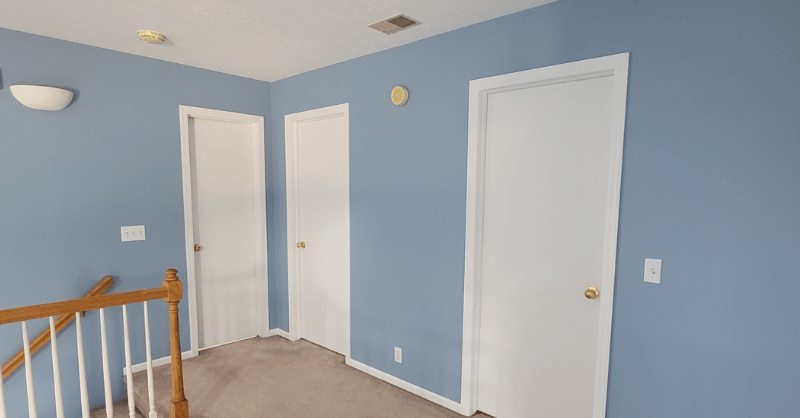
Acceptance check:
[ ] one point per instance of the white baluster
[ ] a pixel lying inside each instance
(2, 397)
(28, 371)
(128, 365)
(150, 387)
(81, 368)
(106, 371)
(56, 370)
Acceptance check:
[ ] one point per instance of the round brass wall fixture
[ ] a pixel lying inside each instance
(399, 95)
(151, 37)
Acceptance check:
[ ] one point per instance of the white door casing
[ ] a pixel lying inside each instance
(243, 124)
(318, 214)
(614, 70)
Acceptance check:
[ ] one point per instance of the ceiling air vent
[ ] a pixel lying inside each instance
(394, 24)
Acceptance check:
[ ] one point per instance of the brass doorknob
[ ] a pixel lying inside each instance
(591, 293)
(196, 247)
(301, 244)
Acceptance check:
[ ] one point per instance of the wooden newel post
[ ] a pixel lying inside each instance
(180, 406)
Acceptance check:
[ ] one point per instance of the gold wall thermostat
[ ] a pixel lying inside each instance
(399, 95)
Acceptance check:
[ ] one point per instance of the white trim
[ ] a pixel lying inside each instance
(409, 387)
(157, 362)
(279, 332)
(229, 342)
(479, 90)
(292, 122)
(260, 192)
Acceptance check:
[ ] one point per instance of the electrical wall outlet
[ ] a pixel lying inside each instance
(132, 233)
(398, 355)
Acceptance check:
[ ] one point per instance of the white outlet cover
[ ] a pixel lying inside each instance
(652, 270)
(132, 233)
(398, 355)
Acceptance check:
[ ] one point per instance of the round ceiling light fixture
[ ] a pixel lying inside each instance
(151, 37)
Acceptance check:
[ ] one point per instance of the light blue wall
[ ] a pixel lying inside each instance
(70, 179)
(711, 184)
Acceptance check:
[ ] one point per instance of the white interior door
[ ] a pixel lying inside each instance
(230, 263)
(549, 231)
(319, 142)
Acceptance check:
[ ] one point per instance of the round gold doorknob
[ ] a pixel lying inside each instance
(301, 244)
(591, 293)
(196, 248)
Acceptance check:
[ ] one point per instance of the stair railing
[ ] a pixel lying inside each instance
(61, 323)
(171, 291)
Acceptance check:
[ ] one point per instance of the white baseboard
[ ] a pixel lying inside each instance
(402, 384)
(229, 342)
(157, 362)
(279, 332)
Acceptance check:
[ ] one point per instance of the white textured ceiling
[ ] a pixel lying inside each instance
(261, 39)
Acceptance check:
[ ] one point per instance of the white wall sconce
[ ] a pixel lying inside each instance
(41, 97)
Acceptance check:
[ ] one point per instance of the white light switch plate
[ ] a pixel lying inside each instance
(652, 270)
(132, 233)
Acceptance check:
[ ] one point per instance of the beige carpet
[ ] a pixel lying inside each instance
(120, 411)
(274, 377)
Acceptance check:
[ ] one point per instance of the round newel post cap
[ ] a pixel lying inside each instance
(172, 275)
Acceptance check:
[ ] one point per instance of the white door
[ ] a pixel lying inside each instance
(549, 227)
(226, 161)
(318, 147)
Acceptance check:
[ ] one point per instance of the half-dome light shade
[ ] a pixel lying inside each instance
(41, 97)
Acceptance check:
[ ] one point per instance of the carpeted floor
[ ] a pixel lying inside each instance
(120, 410)
(274, 377)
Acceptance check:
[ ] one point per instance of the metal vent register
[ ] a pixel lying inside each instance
(394, 24)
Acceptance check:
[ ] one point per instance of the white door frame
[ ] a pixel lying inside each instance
(292, 124)
(479, 91)
(260, 192)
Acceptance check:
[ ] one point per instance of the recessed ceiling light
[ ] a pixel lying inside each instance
(151, 37)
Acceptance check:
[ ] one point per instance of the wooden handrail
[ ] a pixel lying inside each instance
(171, 291)
(61, 323)
(10, 316)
